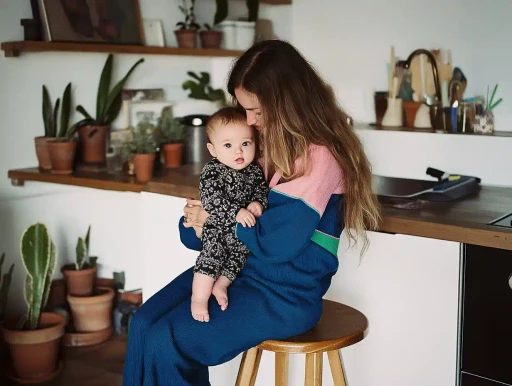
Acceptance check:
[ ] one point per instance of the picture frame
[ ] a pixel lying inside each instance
(116, 22)
(149, 110)
(153, 32)
(135, 95)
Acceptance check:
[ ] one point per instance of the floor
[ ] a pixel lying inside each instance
(100, 365)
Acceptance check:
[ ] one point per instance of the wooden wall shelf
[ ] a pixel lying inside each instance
(14, 49)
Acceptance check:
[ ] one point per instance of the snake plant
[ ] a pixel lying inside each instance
(108, 101)
(5, 283)
(39, 258)
(222, 10)
(83, 260)
(50, 115)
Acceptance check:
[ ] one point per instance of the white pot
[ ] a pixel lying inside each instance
(245, 34)
(228, 34)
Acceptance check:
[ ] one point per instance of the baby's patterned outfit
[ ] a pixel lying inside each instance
(223, 192)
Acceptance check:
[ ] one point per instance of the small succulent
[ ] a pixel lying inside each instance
(170, 129)
(143, 140)
(200, 88)
(83, 260)
(190, 16)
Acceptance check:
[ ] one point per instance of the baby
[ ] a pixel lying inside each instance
(232, 189)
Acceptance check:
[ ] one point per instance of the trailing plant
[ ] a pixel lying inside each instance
(170, 129)
(200, 88)
(83, 260)
(190, 16)
(108, 101)
(222, 10)
(51, 124)
(143, 140)
(39, 258)
(5, 283)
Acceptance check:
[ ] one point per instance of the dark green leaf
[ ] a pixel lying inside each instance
(47, 113)
(253, 7)
(222, 11)
(104, 87)
(55, 113)
(194, 75)
(205, 78)
(114, 110)
(82, 111)
(64, 111)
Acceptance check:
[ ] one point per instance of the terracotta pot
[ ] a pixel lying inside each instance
(134, 297)
(210, 39)
(187, 38)
(62, 156)
(79, 283)
(173, 153)
(410, 109)
(92, 313)
(35, 353)
(93, 143)
(144, 166)
(57, 295)
(81, 339)
(43, 155)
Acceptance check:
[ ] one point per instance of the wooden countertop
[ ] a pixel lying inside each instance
(464, 221)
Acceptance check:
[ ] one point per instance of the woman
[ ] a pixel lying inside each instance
(320, 183)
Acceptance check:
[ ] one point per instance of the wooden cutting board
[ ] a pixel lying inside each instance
(444, 73)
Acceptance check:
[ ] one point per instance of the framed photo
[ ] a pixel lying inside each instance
(93, 21)
(142, 94)
(153, 32)
(147, 111)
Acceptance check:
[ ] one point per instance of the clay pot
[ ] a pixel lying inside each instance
(79, 283)
(410, 109)
(144, 166)
(173, 154)
(35, 353)
(93, 143)
(134, 297)
(92, 313)
(43, 155)
(210, 39)
(187, 38)
(81, 339)
(62, 156)
(57, 295)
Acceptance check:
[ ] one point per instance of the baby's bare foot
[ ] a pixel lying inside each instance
(199, 308)
(220, 291)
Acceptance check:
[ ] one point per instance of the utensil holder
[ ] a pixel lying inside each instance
(394, 113)
(484, 123)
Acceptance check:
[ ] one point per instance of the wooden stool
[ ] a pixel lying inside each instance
(339, 326)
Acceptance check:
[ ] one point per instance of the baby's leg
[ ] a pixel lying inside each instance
(220, 291)
(201, 292)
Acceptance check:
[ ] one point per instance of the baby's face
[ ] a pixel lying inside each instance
(233, 145)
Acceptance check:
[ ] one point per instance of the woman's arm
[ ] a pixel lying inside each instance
(189, 237)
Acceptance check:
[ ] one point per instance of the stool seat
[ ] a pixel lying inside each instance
(339, 326)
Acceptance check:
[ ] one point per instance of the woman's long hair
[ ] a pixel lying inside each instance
(299, 109)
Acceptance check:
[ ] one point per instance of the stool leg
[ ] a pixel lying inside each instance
(249, 367)
(338, 374)
(281, 369)
(314, 369)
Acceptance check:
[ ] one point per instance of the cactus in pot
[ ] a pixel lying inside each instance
(43, 329)
(81, 275)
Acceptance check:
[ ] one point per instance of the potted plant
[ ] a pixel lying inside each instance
(171, 133)
(50, 130)
(206, 99)
(62, 149)
(238, 34)
(141, 148)
(210, 38)
(35, 338)
(80, 276)
(93, 132)
(186, 35)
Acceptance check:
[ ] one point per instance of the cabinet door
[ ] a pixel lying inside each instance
(487, 313)
(471, 380)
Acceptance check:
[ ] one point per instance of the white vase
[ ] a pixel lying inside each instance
(228, 34)
(245, 34)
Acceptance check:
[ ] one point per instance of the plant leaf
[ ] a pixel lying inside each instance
(104, 87)
(115, 92)
(87, 237)
(114, 110)
(54, 119)
(222, 11)
(82, 111)
(80, 254)
(253, 7)
(47, 113)
(194, 75)
(64, 111)
(48, 283)
(205, 78)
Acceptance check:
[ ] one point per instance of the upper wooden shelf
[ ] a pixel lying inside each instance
(372, 126)
(14, 49)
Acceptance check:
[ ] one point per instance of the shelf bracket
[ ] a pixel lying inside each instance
(17, 182)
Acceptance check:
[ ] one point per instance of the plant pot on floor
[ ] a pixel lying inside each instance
(35, 353)
(93, 143)
(62, 156)
(79, 283)
(210, 38)
(92, 313)
(173, 153)
(186, 38)
(43, 155)
(144, 166)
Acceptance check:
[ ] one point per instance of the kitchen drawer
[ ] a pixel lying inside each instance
(487, 313)
(471, 380)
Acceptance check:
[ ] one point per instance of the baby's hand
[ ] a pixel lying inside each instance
(245, 218)
(255, 208)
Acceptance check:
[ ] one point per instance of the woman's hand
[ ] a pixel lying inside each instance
(195, 215)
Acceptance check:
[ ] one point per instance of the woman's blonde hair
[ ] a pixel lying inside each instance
(299, 109)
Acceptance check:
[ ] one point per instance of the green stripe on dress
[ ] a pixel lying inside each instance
(329, 243)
